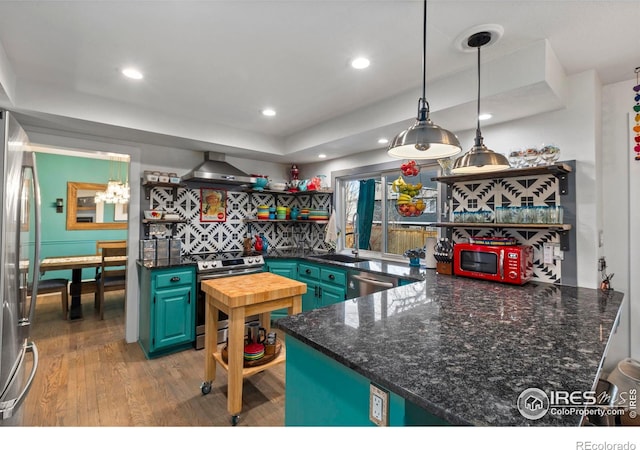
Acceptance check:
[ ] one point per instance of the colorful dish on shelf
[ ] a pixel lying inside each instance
(318, 214)
(253, 351)
(153, 214)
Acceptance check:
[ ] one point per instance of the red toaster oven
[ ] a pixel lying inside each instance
(505, 264)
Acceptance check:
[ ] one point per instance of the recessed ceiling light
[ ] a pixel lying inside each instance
(383, 141)
(322, 155)
(269, 112)
(484, 116)
(360, 63)
(132, 73)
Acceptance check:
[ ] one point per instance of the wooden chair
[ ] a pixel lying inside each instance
(109, 244)
(53, 286)
(111, 277)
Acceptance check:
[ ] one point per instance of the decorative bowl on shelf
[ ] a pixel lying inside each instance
(278, 186)
(150, 176)
(261, 183)
(153, 215)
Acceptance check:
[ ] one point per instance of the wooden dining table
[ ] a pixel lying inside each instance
(75, 264)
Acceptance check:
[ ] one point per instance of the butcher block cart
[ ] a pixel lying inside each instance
(240, 297)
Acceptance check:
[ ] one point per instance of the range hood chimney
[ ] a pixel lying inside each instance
(216, 170)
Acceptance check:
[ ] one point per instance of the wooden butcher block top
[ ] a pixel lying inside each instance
(251, 289)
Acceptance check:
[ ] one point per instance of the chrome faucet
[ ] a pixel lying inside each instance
(356, 234)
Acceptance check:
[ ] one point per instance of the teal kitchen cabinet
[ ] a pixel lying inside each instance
(167, 309)
(325, 285)
(287, 268)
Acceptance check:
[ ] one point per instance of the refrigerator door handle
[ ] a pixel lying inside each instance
(7, 407)
(30, 162)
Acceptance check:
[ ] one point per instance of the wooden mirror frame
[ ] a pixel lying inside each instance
(72, 209)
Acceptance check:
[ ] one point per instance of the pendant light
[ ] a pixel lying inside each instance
(424, 139)
(117, 191)
(479, 159)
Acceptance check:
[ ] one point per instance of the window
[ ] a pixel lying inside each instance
(385, 228)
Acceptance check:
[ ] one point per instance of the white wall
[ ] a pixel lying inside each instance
(621, 215)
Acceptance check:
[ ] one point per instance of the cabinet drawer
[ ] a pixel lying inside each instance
(174, 278)
(309, 271)
(334, 276)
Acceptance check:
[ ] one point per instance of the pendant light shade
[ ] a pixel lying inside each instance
(424, 139)
(479, 159)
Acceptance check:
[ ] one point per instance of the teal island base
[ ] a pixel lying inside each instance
(322, 392)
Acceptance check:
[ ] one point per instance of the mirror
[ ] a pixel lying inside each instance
(83, 213)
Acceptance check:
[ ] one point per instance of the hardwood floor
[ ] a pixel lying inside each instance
(89, 376)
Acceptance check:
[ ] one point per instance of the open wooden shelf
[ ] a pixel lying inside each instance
(549, 226)
(285, 221)
(559, 169)
(296, 193)
(248, 371)
(165, 221)
(148, 185)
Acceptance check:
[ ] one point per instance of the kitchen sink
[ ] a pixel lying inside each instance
(340, 258)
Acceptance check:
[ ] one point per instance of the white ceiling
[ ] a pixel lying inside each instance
(211, 66)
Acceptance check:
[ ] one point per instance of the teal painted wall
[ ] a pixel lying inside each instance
(53, 172)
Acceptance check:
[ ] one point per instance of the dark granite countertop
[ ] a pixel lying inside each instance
(397, 269)
(163, 263)
(393, 268)
(465, 349)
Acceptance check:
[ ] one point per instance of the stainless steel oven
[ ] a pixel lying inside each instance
(215, 265)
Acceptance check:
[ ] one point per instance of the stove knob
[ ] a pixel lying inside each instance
(205, 265)
(250, 261)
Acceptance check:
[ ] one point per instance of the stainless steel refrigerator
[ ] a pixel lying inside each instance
(19, 267)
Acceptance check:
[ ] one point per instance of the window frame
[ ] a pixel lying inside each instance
(386, 173)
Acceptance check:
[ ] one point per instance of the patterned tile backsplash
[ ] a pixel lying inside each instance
(487, 195)
(200, 236)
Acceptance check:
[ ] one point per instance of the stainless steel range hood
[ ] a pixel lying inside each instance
(216, 170)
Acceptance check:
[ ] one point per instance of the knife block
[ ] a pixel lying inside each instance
(444, 268)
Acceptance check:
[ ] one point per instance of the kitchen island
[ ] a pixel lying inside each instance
(449, 350)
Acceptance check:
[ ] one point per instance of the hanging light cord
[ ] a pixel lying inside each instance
(423, 105)
(478, 141)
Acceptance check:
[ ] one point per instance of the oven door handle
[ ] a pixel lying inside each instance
(501, 264)
(211, 276)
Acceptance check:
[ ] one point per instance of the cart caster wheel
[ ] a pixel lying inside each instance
(234, 420)
(205, 387)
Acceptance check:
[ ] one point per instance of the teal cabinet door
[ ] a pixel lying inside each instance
(167, 309)
(287, 269)
(330, 294)
(174, 317)
(325, 285)
(310, 298)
